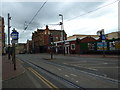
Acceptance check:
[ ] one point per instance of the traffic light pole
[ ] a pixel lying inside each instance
(51, 44)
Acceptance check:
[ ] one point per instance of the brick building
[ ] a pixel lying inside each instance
(41, 39)
(72, 46)
(29, 46)
(2, 35)
(20, 48)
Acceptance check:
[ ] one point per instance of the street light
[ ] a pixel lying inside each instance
(62, 29)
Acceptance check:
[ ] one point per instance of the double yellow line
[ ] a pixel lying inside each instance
(48, 83)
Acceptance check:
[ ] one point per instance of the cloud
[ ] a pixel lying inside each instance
(88, 24)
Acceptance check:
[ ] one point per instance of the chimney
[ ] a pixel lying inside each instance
(47, 27)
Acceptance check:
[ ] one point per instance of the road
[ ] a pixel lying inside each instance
(73, 71)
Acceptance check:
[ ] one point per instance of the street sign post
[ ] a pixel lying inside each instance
(14, 40)
(103, 38)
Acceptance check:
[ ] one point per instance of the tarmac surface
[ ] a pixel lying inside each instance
(20, 76)
(14, 78)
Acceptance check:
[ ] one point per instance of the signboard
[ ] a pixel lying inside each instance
(14, 35)
(91, 46)
(100, 46)
(103, 37)
(14, 41)
(115, 45)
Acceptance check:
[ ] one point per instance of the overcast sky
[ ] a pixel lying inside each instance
(105, 18)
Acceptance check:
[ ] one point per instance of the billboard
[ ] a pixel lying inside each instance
(101, 46)
(115, 45)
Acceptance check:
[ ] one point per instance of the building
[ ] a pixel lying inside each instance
(29, 46)
(41, 39)
(113, 35)
(81, 36)
(20, 48)
(72, 46)
(2, 35)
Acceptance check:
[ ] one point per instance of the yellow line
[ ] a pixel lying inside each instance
(40, 78)
(43, 79)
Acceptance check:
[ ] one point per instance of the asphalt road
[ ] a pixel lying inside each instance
(83, 72)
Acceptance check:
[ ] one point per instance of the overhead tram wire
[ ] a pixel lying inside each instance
(36, 14)
(91, 11)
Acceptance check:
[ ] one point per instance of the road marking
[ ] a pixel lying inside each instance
(89, 68)
(59, 69)
(66, 75)
(48, 83)
(73, 75)
(77, 81)
(92, 69)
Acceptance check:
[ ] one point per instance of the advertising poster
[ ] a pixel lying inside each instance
(100, 46)
(115, 45)
(91, 46)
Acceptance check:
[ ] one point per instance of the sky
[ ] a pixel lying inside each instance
(76, 19)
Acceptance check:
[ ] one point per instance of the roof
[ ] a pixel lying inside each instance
(74, 39)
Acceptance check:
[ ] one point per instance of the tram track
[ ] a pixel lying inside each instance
(43, 70)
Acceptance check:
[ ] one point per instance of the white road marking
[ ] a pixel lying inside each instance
(59, 69)
(73, 75)
(92, 69)
(66, 75)
(77, 81)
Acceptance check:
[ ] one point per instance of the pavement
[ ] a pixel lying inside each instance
(14, 78)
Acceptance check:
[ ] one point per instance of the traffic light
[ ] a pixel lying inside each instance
(50, 38)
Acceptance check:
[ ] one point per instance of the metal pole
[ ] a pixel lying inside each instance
(51, 43)
(62, 28)
(51, 52)
(14, 56)
(8, 36)
(103, 49)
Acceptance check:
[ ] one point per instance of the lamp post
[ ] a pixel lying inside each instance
(62, 29)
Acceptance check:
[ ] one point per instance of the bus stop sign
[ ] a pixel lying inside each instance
(14, 35)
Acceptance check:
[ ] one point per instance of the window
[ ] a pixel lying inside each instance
(72, 46)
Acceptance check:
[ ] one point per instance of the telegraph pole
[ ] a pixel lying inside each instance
(9, 18)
